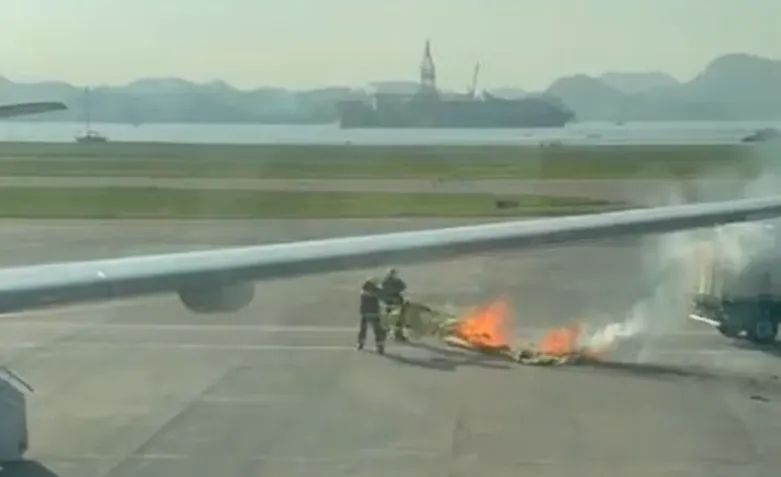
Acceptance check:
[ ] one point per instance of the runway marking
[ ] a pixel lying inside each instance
(357, 454)
(77, 308)
(256, 328)
(250, 400)
(18, 319)
(317, 347)
(259, 328)
(21, 345)
(205, 346)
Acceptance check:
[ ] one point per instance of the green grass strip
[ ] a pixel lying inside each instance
(150, 202)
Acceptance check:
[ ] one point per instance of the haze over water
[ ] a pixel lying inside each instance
(576, 133)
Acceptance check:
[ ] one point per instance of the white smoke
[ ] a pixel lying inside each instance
(674, 261)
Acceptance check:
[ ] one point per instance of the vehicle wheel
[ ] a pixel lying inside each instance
(730, 331)
(763, 331)
(729, 327)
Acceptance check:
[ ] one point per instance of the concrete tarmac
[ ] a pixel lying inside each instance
(144, 387)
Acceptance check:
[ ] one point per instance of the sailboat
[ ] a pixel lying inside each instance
(89, 136)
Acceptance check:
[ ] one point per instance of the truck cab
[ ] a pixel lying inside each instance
(741, 299)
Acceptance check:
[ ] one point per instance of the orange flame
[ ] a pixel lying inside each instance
(486, 328)
(564, 342)
(560, 342)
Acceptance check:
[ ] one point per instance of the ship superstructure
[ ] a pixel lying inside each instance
(429, 108)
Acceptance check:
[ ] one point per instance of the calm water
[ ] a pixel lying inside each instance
(581, 133)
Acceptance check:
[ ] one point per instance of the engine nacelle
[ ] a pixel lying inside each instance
(218, 298)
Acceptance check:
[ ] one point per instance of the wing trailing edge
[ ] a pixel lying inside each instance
(70, 282)
(24, 109)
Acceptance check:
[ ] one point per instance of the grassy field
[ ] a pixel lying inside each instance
(446, 162)
(173, 204)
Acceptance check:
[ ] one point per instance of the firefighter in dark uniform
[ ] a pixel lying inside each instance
(392, 289)
(370, 315)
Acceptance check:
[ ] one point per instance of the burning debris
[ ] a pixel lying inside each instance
(672, 267)
(485, 330)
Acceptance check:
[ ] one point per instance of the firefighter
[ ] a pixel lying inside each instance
(392, 289)
(370, 315)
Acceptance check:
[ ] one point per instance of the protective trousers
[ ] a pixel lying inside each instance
(400, 321)
(372, 319)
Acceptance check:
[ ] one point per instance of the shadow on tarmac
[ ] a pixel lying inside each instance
(770, 349)
(757, 387)
(444, 359)
(651, 370)
(439, 358)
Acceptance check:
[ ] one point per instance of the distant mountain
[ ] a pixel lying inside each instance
(731, 87)
(746, 86)
(631, 83)
(174, 100)
(593, 100)
(734, 86)
(508, 93)
(587, 96)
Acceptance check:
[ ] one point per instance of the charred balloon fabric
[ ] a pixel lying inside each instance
(487, 330)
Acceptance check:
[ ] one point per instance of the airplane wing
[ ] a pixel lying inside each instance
(22, 109)
(223, 279)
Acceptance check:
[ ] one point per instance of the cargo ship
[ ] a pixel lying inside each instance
(428, 108)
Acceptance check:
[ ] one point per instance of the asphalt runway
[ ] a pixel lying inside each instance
(654, 192)
(144, 387)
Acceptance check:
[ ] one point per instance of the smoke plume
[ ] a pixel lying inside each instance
(675, 264)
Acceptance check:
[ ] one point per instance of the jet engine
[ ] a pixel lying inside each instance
(218, 298)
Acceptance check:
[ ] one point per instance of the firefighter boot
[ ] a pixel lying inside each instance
(398, 329)
(362, 332)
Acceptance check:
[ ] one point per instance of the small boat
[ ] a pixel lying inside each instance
(89, 136)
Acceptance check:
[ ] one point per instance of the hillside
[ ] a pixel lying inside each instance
(631, 83)
(731, 87)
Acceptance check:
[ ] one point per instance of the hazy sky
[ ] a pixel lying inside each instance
(306, 43)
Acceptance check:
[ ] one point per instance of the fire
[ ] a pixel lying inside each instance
(560, 342)
(486, 328)
(567, 341)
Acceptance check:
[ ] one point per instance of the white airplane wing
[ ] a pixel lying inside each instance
(22, 109)
(223, 279)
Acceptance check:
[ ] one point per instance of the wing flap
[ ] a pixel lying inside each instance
(22, 109)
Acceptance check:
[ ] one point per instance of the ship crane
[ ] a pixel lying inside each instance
(473, 89)
(427, 108)
(428, 72)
